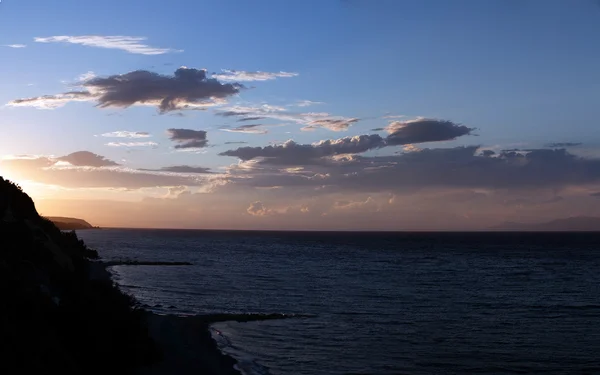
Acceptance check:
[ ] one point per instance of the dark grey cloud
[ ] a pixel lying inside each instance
(596, 194)
(563, 144)
(460, 167)
(236, 143)
(424, 130)
(251, 118)
(187, 88)
(233, 113)
(188, 138)
(295, 153)
(87, 159)
(416, 131)
(181, 169)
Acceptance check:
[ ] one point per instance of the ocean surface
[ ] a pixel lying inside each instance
(378, 303)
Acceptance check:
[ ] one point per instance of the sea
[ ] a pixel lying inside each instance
(377, 303)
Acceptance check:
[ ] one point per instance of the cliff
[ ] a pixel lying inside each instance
(54, 318)
(69, 223)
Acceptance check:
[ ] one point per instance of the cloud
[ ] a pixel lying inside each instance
(310, 120)
(187, 88)
(247, 129)
(306, 103)
(250, 128)
(409, 133)
(250, 119)
(132, 144)
(295, 153)
(240, 75)
(369, 205)
(336, 125)
(235, 143)
(258, 209)
(87, 170)
(15, 45)
(52, 101)
(126, 134)
(181, 169)
(87, 159)
(176, 190)
(460, 167)
(563, 144)
(86, 76)
(424, 130)
(597, 195)
(188, 138)
(131, 44)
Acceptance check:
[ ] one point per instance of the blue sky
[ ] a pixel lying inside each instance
(524, 73)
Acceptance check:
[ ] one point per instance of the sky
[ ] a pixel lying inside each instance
(307, 115)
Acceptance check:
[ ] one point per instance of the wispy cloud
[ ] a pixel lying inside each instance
(247, 129)
(15, 45)
(250, 128)
(132, 144)
(126, 134)
(240, 75)
(86, 76)
(306, 103)
(131, 44)
(310, 120)
(53, 101)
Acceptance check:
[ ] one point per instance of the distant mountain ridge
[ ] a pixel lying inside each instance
(69, 223)
(570, 224)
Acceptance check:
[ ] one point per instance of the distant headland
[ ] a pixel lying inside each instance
(70, 223)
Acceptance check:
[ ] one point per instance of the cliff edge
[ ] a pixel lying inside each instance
(54, 318)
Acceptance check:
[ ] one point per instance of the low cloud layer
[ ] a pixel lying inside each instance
(188, 138)
(240, 75)
(85, 169)
(187, 88)
(258, 209)
(408, 133)
(131, 44)
(181, 169)
(15, 45)
(87, 159)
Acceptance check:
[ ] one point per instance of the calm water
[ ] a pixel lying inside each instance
(382, 303)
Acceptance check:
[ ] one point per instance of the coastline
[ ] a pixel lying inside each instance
(186, 343)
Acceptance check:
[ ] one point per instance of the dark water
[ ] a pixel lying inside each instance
(382, 303)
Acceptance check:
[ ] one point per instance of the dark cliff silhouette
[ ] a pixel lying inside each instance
(55, 318)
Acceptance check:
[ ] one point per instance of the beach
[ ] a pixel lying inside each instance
(185, 342)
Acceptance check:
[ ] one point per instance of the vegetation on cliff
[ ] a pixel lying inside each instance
(53, 317)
